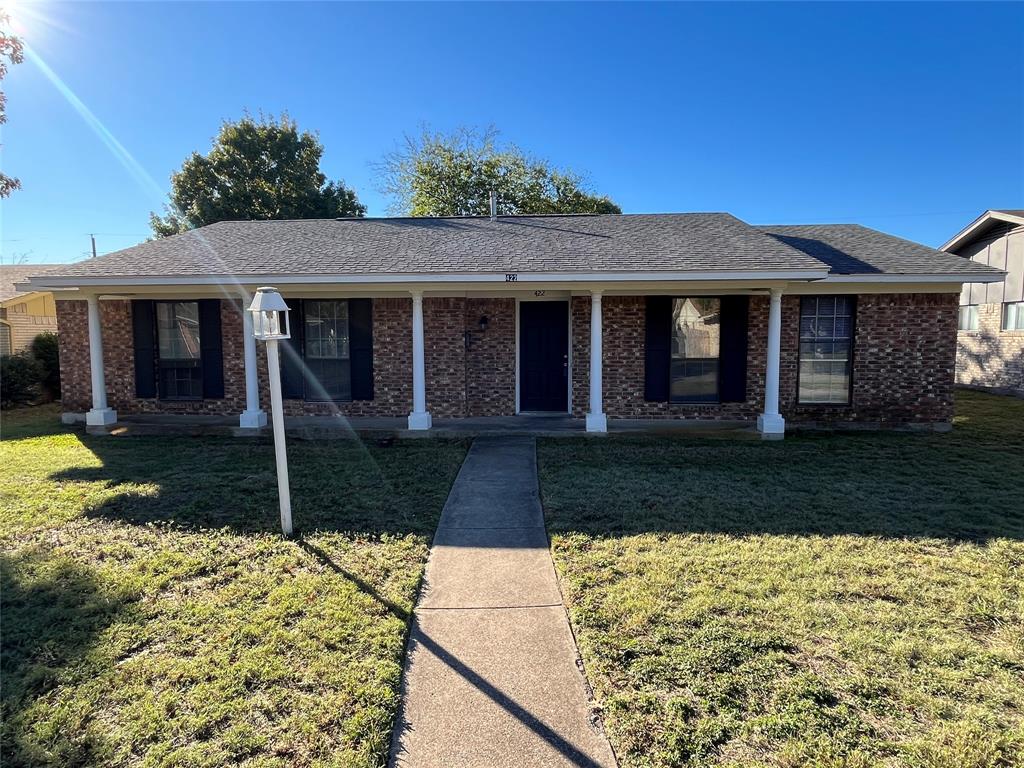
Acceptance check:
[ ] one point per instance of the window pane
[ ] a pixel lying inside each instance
(694, 381)
(826, 334)
(843, 327)
(327, 330)
(181, 380)
(1013, 316)
(968, 318)
(177, 330)
(695, 348)
(329, 379)
(328, 372)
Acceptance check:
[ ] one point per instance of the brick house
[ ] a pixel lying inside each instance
(672, 316)
(990, 331)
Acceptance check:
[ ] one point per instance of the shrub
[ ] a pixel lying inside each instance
(44, 348)
(20, 375)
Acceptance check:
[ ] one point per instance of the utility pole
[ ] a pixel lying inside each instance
(93, 238)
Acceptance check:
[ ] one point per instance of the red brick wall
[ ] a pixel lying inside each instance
(392, 369)
(445, 356)
(903, 361)
(491, 357)
(623, 376)
(119, 361)
(904, 353)
(480, 382)
(73, 343)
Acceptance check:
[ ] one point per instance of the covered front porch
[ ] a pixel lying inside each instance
(532, 361)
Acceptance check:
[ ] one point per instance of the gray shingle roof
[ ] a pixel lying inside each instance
(529, 244)
(19, 273)
(850, 249)
(653, 243)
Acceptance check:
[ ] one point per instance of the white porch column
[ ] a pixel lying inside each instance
(100, 415)
(596, 419)
(420, 417)
(770, 424)
(252, 417)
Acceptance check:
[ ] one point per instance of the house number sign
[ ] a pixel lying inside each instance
(511, 277)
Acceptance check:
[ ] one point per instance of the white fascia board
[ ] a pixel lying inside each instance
(986, 277)
(426, 279)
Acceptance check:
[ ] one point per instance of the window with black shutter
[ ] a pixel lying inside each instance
(696, 349)
(327, 350)
(179, 355)
(329, 357)
(696, 326)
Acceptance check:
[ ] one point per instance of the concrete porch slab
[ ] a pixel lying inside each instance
(342, 428)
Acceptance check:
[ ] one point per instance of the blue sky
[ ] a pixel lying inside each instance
(904, 117)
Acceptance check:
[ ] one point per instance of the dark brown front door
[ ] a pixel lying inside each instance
(544, 356)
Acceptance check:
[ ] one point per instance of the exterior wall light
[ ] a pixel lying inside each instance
(270, 324)
(483, 323)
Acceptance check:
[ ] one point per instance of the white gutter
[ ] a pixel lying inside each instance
(957, 277)
(509, 278)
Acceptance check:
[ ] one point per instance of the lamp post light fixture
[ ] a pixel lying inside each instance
(270, 324)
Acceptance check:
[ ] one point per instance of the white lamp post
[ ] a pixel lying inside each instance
(270, 324)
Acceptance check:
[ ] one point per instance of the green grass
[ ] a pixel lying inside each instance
(830, 600)
(153, 616)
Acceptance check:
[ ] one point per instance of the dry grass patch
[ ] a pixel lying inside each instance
(831, 600)
(153, 616)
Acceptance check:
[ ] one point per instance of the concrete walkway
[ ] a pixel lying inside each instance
(491, 677)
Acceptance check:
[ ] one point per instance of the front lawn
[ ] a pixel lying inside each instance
(830, 600)
(153, 616)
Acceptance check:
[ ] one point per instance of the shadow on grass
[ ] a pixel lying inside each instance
(53, 613)
(325, 559)
(216, 483)
(966, 485)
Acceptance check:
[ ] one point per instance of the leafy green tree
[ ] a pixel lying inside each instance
(438, 174)
(257, 169)
(12, 51)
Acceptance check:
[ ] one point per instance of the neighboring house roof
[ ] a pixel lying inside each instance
(982, 226)
(581, 247)
(20, 273)
(850, 249)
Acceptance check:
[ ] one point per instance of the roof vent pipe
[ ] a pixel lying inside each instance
(494, 205)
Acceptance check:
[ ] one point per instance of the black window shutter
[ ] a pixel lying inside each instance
(657, 349)
(292, 385)
(144, 342)
(360, 328)
(211, 348)
(733, 345)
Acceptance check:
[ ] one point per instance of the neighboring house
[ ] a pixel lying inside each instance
(24, 314)
(675, 316)
(990, 339)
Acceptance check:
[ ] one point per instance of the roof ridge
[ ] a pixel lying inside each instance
(471, 217)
